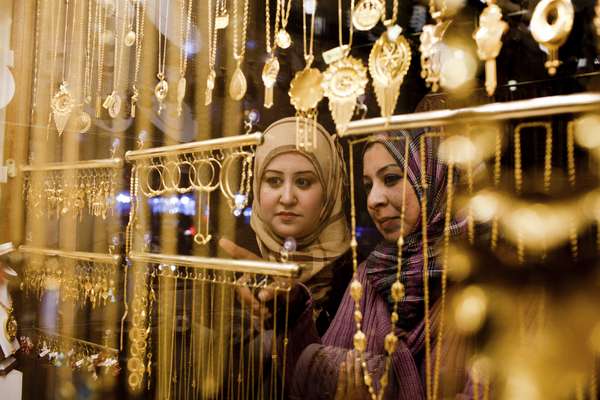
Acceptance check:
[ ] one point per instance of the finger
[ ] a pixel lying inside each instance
(266, 295)
(340, 392)
(235, 251)
(246, 296)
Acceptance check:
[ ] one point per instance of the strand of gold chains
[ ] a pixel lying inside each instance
(213, 37)
(162, 87)
(572, 181)
(271, 67)
(356, 291)
(497, 176)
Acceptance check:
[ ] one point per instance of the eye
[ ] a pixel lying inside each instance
(273, 181)
(391, 179)
(303, 182)
(368, 185)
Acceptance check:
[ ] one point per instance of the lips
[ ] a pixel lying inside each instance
(388, 223)
(286, 216)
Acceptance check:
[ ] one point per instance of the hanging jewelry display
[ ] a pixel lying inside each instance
(77, 354)
(238, 84)
(271, 67)
(306, 91)
(431, 38)
(162, 87)
(201, 368)
(140, 18)
(550, 26)
(186, 23)
(94, 186)
(198, 166)
(62, 102)
(344, 80)
(489, 42)
(113, 101)
(81, 278)
(367, 13)
(102, 18)
(283, 38)
(389, 61)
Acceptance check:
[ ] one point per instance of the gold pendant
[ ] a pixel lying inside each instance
(130, 38)
(489, 42)
(238, 85)
(343, 82)
(160, 92)
(305, 89)
(222, 21)
(113, 103)
(134, 99)
(210, 85)
(269, 77)
(62, 105)
(552, 35)
(84, 122)
(11, 326)
(431, 38)
(181, 87)
(366, 14)
(283, 39)
(388, 64)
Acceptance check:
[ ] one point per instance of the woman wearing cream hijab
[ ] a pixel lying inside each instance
(298, 200)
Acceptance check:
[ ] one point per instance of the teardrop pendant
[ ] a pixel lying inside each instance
(238, 85)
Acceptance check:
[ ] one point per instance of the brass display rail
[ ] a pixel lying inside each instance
(76, 255)
(251, 139)
(105, 163)
(572, 103)
(288, 270)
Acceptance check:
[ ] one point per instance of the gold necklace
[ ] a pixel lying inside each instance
(10, 326)
(552, 35)
(101, 32)
(306, 91)
(212, 51)
(186, 15)
(238, 84)
(388, 64)
(489, 42)
(130, 36)
(162, 87)
(271, 67)
(140, 16)
(367, 13)
(62, 102)
(113, 101)
(344, 80)
(283, 38)
(356, 292)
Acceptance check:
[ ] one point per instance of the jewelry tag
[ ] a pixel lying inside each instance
(393, 32)
(221, 21)
(335, 54)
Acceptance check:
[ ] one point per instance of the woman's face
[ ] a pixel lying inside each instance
(383, 180)
(291, 196)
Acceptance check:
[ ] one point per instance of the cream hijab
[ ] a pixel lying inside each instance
(331, 237)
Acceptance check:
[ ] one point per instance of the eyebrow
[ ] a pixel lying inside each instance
(295, 173)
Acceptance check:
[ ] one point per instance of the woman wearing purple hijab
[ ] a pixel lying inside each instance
(326, 367)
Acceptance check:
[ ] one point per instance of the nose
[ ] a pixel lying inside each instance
(288, 196)
(377, 197)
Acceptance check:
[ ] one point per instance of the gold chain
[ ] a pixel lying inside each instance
(162, 39)
(140, 17)
(497, 166)
(572, 181)
(239, 44)
(186, 15)
(101, 27)
(271, 48)
(285, 12)
(308, 55)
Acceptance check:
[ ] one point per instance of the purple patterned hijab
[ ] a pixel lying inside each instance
(381, 265)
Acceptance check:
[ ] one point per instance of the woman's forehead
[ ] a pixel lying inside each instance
(288, 161)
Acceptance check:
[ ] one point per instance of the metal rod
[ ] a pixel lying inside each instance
(203, 145)
(72, 339)
(77, 255)
(573, 103)
(243, 266)
(105, 163)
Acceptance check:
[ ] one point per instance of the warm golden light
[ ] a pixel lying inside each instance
(470, 308)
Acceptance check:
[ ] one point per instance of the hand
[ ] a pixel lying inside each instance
(351, 385)
(239, 253)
